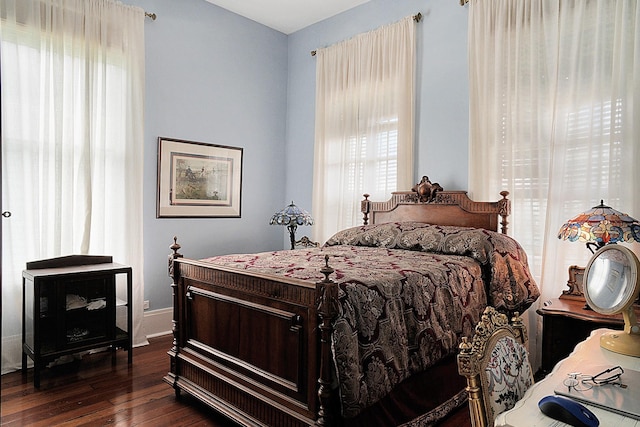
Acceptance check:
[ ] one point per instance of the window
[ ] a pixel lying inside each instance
(364, 124)
(72, 148)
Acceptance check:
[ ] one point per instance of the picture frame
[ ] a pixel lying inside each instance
(198, 180)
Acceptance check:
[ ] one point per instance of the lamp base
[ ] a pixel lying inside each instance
(621, 342)
(292, 234)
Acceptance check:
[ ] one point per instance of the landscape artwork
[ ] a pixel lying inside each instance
(197, 179)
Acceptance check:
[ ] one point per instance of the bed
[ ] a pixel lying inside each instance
(361, 331)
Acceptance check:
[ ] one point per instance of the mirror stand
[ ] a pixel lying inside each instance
(621, 342)
(627, 342)
(624, 342)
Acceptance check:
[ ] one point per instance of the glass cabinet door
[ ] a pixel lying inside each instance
(88, 314)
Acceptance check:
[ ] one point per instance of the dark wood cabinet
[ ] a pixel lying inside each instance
(567, 321)
(70, 306)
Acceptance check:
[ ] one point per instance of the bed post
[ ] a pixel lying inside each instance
(327, 309)
(174, 287)
(504, 207)
(364, 208)
(175, 327)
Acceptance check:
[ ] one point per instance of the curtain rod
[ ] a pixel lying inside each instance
(417, 17)
(463, 2)
(153, 15)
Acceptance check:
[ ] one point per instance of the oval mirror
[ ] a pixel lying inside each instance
(610, 279)
(610, 287)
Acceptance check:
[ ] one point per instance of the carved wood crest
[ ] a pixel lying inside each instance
(425, 191)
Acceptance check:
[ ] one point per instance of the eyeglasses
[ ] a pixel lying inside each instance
(608, 376)
(581, 382)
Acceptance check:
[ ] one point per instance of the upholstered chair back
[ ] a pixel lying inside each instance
(496, 365)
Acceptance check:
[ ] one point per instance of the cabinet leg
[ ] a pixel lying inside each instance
(36, 375)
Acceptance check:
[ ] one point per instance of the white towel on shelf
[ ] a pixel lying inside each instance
(97, 304)
(75, 301)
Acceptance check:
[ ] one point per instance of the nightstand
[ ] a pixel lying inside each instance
(567, 321)
(69, 306)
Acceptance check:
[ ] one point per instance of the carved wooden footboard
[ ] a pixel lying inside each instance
(249, 346)
(257, 349)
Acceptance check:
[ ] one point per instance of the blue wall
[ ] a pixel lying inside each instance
(213, 76)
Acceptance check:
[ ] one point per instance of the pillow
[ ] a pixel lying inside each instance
(510, 284)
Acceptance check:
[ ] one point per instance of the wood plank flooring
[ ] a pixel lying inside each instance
(95, 392)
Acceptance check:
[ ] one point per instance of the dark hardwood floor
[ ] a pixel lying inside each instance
(95, 392)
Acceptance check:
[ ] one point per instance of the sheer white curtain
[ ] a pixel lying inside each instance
(72, 150)
(555, 119)
(364, 123)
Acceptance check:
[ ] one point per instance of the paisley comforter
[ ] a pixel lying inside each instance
(407, 292)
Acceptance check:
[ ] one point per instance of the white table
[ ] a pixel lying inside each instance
(588, 352)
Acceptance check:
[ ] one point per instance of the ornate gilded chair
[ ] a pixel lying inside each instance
(496, 365)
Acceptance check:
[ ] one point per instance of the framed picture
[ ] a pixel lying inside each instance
(196, 179)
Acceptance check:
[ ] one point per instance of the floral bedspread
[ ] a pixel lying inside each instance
(407, 293)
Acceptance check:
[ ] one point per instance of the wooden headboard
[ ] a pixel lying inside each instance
(438, 207)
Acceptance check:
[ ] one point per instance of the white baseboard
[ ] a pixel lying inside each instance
(157, 322)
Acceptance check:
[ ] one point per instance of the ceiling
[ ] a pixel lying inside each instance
(287, 16)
